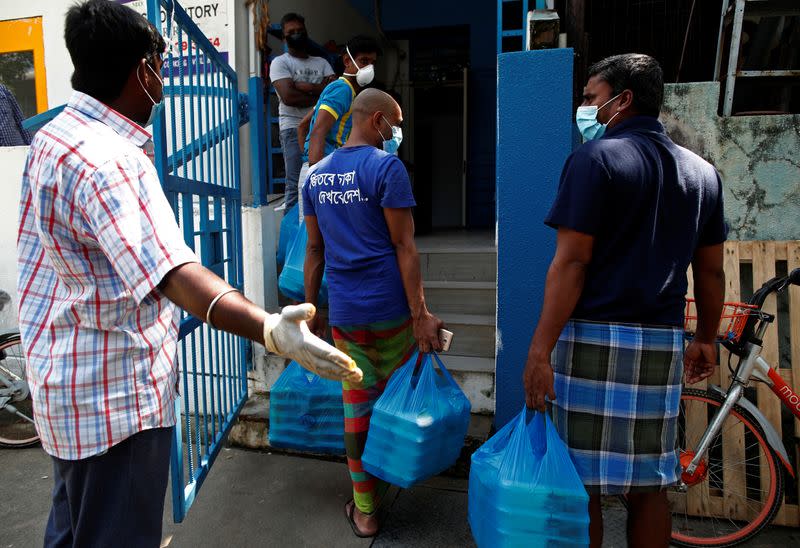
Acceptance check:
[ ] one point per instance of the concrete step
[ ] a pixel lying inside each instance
(448, 297)
(471, 364)
(251, 431)
(474, 334)
(476, 264)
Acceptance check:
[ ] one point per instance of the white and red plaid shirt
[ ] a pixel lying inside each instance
(96, 236)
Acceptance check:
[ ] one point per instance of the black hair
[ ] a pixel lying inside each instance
(637, 72)
(363, 44)
(291, 16)
(105, 41)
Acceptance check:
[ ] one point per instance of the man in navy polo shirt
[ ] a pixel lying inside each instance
(633, 211)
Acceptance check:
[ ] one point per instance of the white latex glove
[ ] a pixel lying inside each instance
(288, 335)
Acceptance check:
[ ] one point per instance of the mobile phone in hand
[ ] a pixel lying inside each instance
(446, 338)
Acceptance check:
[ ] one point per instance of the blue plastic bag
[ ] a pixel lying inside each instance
(524, 490)
(306, 412)
(291, 280)
(289, 224)
(418, 425)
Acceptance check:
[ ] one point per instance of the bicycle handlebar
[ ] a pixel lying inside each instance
(774, 285)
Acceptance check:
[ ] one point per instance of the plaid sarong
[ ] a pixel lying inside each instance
(618, 389)
(378, 349)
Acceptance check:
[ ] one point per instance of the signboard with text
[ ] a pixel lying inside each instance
(211, 17)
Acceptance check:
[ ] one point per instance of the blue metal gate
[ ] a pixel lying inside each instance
(197, 157)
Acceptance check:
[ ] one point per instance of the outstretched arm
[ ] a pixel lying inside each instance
(193, 287)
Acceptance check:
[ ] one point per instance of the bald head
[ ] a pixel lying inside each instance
(370, 101)
(374, 114)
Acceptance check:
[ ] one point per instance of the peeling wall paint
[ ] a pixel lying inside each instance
(757, 156)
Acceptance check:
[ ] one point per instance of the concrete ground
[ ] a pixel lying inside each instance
(261, 499)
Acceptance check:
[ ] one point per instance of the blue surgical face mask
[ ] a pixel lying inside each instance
(586, 119)
(391, 145)
(155, 113)
(158, 107)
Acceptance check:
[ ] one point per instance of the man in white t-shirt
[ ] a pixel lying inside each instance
(299, 78)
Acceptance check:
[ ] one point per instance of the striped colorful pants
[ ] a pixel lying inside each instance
(378, 349)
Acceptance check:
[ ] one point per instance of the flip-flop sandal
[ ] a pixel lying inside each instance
(349, 515)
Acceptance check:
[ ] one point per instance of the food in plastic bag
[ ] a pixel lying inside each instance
(289, 225)
(306, 412)
(524, 490)
(418, 425)
(291, 279)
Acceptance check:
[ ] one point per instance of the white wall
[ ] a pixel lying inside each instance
(12, 163)
(58, 66)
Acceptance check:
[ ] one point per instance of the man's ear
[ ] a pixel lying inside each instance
(625, 100)
(376, 120)
(142, 72)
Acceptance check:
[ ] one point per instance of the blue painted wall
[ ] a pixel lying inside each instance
(534, 137)
(481, 17)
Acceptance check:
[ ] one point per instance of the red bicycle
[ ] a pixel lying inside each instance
(731, 456)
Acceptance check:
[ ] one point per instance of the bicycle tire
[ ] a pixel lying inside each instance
(772, 501)
(26, 406)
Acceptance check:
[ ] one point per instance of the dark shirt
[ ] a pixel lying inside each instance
(649, 203)
(11, 131)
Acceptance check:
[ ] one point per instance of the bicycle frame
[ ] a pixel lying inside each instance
(752, 365)
(14, 389)
(7, 387)
(789, 398)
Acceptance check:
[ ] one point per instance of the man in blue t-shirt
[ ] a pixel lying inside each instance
(357, 207)
(633, 211)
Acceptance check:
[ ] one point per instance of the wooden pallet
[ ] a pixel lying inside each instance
(763, 256)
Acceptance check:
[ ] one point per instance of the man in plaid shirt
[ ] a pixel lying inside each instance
(102, 271)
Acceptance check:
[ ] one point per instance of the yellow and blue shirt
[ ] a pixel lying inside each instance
(336, 100)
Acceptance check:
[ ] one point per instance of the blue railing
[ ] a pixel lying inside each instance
(197, 158)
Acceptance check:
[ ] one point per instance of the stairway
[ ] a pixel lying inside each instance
(459, 272)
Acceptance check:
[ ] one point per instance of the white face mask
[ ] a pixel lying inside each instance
(364, 75)
(157, 107)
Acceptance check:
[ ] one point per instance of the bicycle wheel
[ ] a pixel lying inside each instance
(16, 430)
(737, 489)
